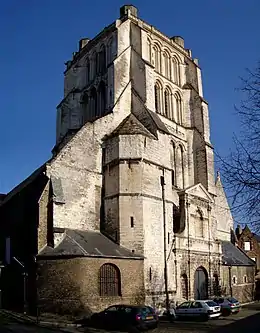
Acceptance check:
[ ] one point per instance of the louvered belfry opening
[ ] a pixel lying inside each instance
(110, 282)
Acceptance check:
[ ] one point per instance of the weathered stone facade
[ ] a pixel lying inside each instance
(133, 159)
(113, 147)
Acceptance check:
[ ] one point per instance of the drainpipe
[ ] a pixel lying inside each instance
(230, 281)
(165, 246)
(188, 230)
(209, 209)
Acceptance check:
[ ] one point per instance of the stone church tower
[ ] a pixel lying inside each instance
(127, 210)
(134, 157)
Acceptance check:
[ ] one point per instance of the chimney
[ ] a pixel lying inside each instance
(124, 10)
(178, 40)
(83, 42)
(238, 230)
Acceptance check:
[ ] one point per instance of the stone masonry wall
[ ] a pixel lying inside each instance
(72, 285)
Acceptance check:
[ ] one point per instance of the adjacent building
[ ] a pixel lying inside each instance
(130, 187)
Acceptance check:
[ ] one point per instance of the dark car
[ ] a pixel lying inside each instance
(228, 305)
(124, 317)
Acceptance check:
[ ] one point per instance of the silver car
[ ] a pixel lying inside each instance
(199, 309)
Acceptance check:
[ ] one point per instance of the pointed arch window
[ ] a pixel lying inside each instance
(149, 51)
(109, 51)
(180, 167)
(175, 70)
(173, 162)
(178, 108)
(87, 71)
(167, 65)
(110, 280)
(157, 58)
(157, 97)
(102, 60)
(167, 102)
(101, 98)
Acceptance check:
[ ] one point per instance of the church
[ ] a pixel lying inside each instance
(128, 209)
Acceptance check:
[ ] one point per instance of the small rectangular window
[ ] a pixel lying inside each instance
(247, 246)
(132, 221)
(150, 274)
(173, 178)
(168, 238)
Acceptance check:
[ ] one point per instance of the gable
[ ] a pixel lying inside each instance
(199, 191)
(130, 126)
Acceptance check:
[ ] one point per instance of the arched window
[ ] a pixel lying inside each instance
(180, 167)
(175, 70)
(184, 286)
(110, 51)
(149, 50)
(173, 162)
(110, 280)
(157, 97)
(168, 103)
(167, 65)
(93, 102)
(94, 65)
(178, 108)
(102, 60)
(101, 98)
(234, 279)
(87, 71)
(157, 58)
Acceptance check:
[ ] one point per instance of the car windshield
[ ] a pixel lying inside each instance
(232, 300)
(211, 303)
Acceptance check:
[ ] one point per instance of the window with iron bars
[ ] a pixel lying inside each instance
(110, 280)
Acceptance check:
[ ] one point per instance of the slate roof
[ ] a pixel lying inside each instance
(131, 125)
(234, 256)
(87, 244)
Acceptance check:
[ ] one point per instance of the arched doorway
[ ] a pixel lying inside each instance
(201, 284)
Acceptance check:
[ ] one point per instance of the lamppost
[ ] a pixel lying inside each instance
(165, 246)
(230, 280)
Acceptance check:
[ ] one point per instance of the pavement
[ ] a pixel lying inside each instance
(248, 320)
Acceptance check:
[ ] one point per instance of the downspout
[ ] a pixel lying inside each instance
(209, 285)
(165, 244)
(188, 230)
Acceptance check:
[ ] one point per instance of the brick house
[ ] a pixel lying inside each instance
(249, 242)
(130, 186)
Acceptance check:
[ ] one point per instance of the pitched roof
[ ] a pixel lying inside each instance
(234, 256)
(80, 243)
(131, 125)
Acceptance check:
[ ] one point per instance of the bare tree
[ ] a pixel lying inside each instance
(241, 169)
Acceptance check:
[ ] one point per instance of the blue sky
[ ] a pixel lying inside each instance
(38, 36)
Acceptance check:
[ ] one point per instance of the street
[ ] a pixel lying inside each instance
(248, 320)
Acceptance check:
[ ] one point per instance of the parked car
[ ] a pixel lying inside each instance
(199, 309)
(228, 305)
(124, 316)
